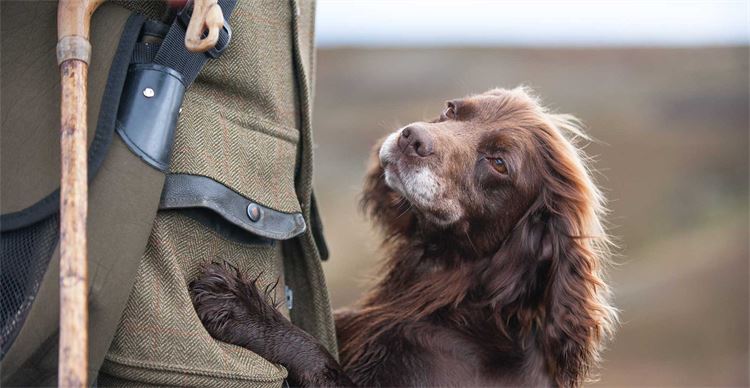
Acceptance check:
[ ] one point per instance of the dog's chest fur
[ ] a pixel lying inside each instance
(425, 353)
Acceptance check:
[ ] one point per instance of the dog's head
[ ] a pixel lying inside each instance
(499, 182)
(474, 161)
(477, 168)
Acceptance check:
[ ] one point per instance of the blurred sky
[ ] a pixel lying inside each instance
(531, 23)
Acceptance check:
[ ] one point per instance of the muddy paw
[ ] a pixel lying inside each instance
(231, 307)
(215, 298)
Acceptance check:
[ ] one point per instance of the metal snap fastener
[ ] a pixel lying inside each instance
(253, 212)
(148, 92)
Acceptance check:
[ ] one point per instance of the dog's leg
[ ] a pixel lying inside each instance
(233, 310)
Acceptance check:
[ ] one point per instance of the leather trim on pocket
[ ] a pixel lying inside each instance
(189, 191)
(250, 156)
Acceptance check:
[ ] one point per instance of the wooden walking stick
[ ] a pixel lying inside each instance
(73, 55)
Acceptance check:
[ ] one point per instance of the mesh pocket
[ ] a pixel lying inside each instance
(24, 256)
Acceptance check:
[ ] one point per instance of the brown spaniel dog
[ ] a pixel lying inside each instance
(493, 275)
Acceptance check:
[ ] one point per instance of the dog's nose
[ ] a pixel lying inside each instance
(416, 141)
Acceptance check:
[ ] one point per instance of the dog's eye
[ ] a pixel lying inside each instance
(450, 111)
(499, 165)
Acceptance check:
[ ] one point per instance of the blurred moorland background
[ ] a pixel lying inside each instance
(671, 151)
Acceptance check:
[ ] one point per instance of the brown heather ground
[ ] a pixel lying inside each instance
(672, 126)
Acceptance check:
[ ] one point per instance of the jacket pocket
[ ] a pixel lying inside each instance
(249, 155)
(160, 339)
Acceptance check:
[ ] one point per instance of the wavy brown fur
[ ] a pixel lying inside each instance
(509, 292)
(544, 278)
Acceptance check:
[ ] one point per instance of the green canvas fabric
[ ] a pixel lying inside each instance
(30, 95)
(114, 249)
(123, 197)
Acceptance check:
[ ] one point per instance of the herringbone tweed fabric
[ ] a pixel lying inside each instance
(242, 104)
(246, 106)
(160, 339)
(245, 123)
(240, 119)
(302, 259)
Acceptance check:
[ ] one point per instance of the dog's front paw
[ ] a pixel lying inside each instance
(215, 299)
(232, 308)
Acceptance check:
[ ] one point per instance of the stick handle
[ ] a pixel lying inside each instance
(74, 17)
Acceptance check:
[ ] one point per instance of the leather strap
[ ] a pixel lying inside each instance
(190, 191)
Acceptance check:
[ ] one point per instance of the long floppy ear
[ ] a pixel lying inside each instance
(386, 207)
(547, 276)
(516, 276)
(577, 316)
